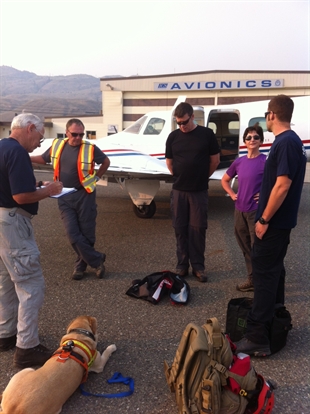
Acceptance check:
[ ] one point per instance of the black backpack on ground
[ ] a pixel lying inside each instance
(236, 318)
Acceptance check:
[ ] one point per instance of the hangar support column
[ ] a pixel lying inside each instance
(112, 108)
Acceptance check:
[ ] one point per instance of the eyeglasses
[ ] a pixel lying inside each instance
(76, 134)
(184, 122)
(43, 138)
(249, 137)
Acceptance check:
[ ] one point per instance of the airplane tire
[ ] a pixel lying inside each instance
(145, 211)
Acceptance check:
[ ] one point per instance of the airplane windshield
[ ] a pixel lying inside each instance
(154, 126)
(136, 127)
(258, 121)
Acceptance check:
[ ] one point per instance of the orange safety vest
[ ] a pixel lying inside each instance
(85, 162)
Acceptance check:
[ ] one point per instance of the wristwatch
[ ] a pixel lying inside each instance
(263, 221)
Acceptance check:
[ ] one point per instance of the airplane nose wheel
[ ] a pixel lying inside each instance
(145, 211)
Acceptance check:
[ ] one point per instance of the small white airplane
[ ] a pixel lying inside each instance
(137, 154)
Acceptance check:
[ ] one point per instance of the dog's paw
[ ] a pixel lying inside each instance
(111, 348)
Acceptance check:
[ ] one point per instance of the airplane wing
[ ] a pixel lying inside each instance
(218, 174)
(129, 163)
(126, 163)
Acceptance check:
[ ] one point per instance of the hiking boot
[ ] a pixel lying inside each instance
(7, 343)
(246, 286)
(30, 357)
(77, 275)
(250, 348)
(201, 275)
(100, 270)
(181, 272)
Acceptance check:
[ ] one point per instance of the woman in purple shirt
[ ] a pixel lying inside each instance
(249, 170)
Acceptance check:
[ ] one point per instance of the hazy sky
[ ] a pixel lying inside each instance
(147, 37)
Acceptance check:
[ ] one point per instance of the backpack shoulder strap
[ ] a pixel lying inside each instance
(193, 339)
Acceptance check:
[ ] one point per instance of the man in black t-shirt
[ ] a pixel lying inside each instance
(192, 155)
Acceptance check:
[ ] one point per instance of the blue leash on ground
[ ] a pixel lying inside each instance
(116, 378)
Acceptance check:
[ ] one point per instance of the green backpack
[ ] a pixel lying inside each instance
(199, 375)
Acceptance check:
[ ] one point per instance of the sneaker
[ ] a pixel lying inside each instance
(7, 343)
(100, 270)
(77, 275)
(246, 286)
(24, 358)
(201, 275)
(181, 272)
(250, 348)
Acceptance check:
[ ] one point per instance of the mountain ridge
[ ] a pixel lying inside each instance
(48, 96)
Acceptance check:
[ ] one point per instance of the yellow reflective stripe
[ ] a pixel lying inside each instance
(84, 347)
(56, 150)
(86, 157)
(92, 359)
(86, 167)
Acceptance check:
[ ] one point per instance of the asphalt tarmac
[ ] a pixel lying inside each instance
(146, 334)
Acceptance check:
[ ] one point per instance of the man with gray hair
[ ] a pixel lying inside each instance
(21, 279)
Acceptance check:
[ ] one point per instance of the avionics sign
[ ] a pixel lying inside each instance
(222, 85)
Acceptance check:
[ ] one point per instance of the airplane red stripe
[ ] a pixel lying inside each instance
(304, 141)
(120, 150)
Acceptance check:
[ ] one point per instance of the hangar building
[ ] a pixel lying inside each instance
(126, 99)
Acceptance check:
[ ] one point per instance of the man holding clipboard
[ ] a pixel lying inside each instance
(21, 279)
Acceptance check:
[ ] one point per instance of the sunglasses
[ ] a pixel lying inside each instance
(76, 134)
(267, 113)
(249, 137)
(184, 122)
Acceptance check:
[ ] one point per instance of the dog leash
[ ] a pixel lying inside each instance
(116, 378)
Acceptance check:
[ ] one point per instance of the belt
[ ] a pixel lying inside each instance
(24, 213)
(20, 211)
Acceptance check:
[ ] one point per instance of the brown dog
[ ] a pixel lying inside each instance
(45, 390)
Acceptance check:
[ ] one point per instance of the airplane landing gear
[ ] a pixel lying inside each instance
(145, 211)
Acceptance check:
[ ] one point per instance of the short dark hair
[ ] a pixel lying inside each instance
(182, 109)
(74, 121)
(283, 107)
(255, 128)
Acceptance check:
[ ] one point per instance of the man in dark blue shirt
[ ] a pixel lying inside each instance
(21, 278)
(276, 215)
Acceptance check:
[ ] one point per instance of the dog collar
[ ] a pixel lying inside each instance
(84, 332)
